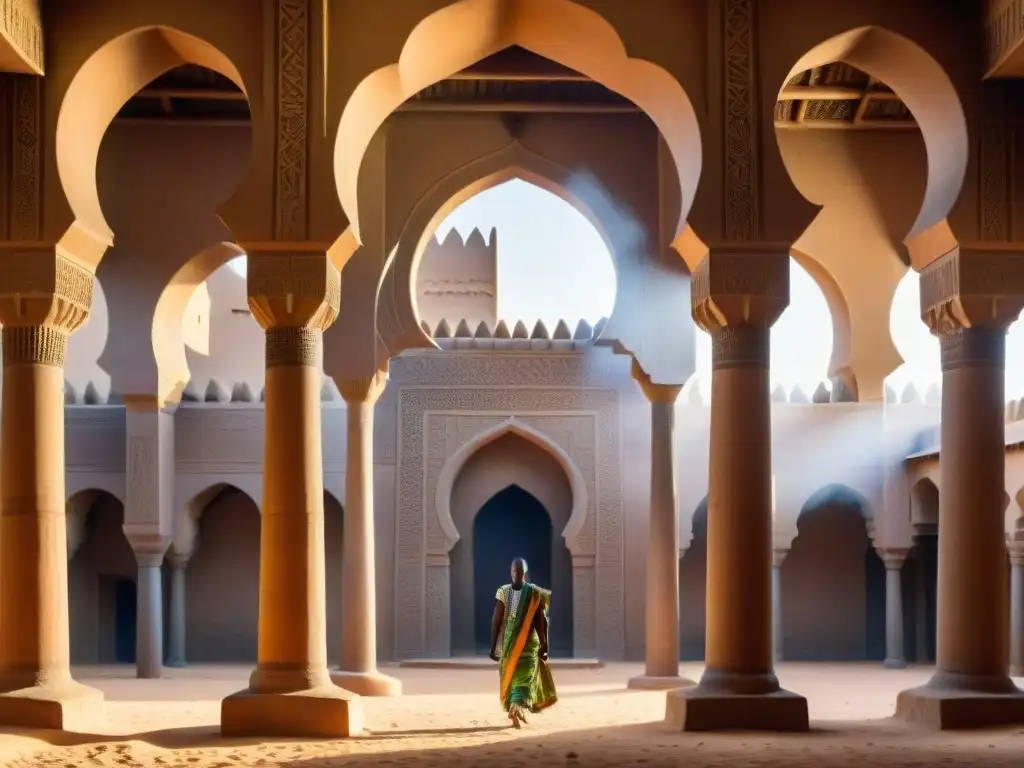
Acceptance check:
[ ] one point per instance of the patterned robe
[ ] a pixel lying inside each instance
(524, 680)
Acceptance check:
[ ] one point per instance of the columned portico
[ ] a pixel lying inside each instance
(358, 671)
(736, 297)
(661, 669)
(44, 297)
(969, 299)
(293, 296)
(893, 558)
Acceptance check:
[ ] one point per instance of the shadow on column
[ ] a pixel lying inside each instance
(833, 605)
(922, 574)
(101, 581)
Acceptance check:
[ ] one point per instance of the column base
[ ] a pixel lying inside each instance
(654, 683)
(894, 664)
(367, 683)
(955, 702)
(68, 706)
(174, 664)
(731, 702)
(322, 712)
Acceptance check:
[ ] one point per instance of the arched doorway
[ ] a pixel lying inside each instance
(513, 523)
(833, 583)
(101, 582)
(222, 581)
(514, 496)
(921, 571)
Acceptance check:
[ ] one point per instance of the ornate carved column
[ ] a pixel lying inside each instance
(44, 297)
(737, 295)
(149, 474)
(293, 296)
(1017, 609)
(662, 633)
(176, 631)
(778, 558)
(894, 559)
(358, 670)
(969, 300)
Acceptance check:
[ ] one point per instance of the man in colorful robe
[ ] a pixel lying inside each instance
(519, 642)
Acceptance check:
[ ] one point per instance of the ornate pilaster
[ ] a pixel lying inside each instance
(44, 297)
(737, 295)
(293, 296)
(968, 299)
(662, 631)
(358, 671)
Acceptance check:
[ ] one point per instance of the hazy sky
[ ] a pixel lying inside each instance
(552, 264)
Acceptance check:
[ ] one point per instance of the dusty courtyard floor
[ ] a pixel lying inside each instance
(453, 718)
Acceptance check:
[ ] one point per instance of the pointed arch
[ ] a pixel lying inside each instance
(186, 523)
(923, 85)
(109, 78)
(465, 32)
(451, 469)
(514, 161)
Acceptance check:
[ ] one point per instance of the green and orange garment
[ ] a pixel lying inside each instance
(525, 681)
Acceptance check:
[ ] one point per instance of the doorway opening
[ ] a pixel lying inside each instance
(513, 523)
(125, 621)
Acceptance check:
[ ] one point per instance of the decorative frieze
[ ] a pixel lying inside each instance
(295, 346)
(293, 64)
(740, 346)
(34, 345)
(742, 108)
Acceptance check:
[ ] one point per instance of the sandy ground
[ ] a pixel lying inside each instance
(173, 722)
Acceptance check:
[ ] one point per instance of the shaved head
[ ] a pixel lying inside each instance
(519, 571)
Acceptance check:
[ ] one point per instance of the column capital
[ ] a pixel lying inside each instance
(740, 285)
(293, 289)
(893, 557)
(363, 391)
(44, 297)
(972, 289)
(149, 547)
(655, 393)
(178, 560)
(779, 557)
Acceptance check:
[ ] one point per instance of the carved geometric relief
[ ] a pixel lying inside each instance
(25, 158)
(427, 439)
(741, 123)
(143, 501)
(292, 118)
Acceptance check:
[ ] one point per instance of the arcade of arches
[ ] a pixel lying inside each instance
(182, 432)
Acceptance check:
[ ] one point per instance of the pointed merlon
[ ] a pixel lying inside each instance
(779, 394)
(483, 331)
(501, 330)
(821, 394)
(240, 393)
(599, 327)
(426, 327)
(584, 331)
(540, 331)
(215, 392)
(799, 396)
(443, 331)
(520, 331)
(562, 332)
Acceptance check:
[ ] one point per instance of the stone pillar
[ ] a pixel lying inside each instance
(358, 671)
(662, 632)
(1016, 609)
(293, 297)
(894, 559)
(176, 631)
(149, 632)
(778, 558)
(736, 297)
(969, 300)
(43, 298)
(149, 477)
